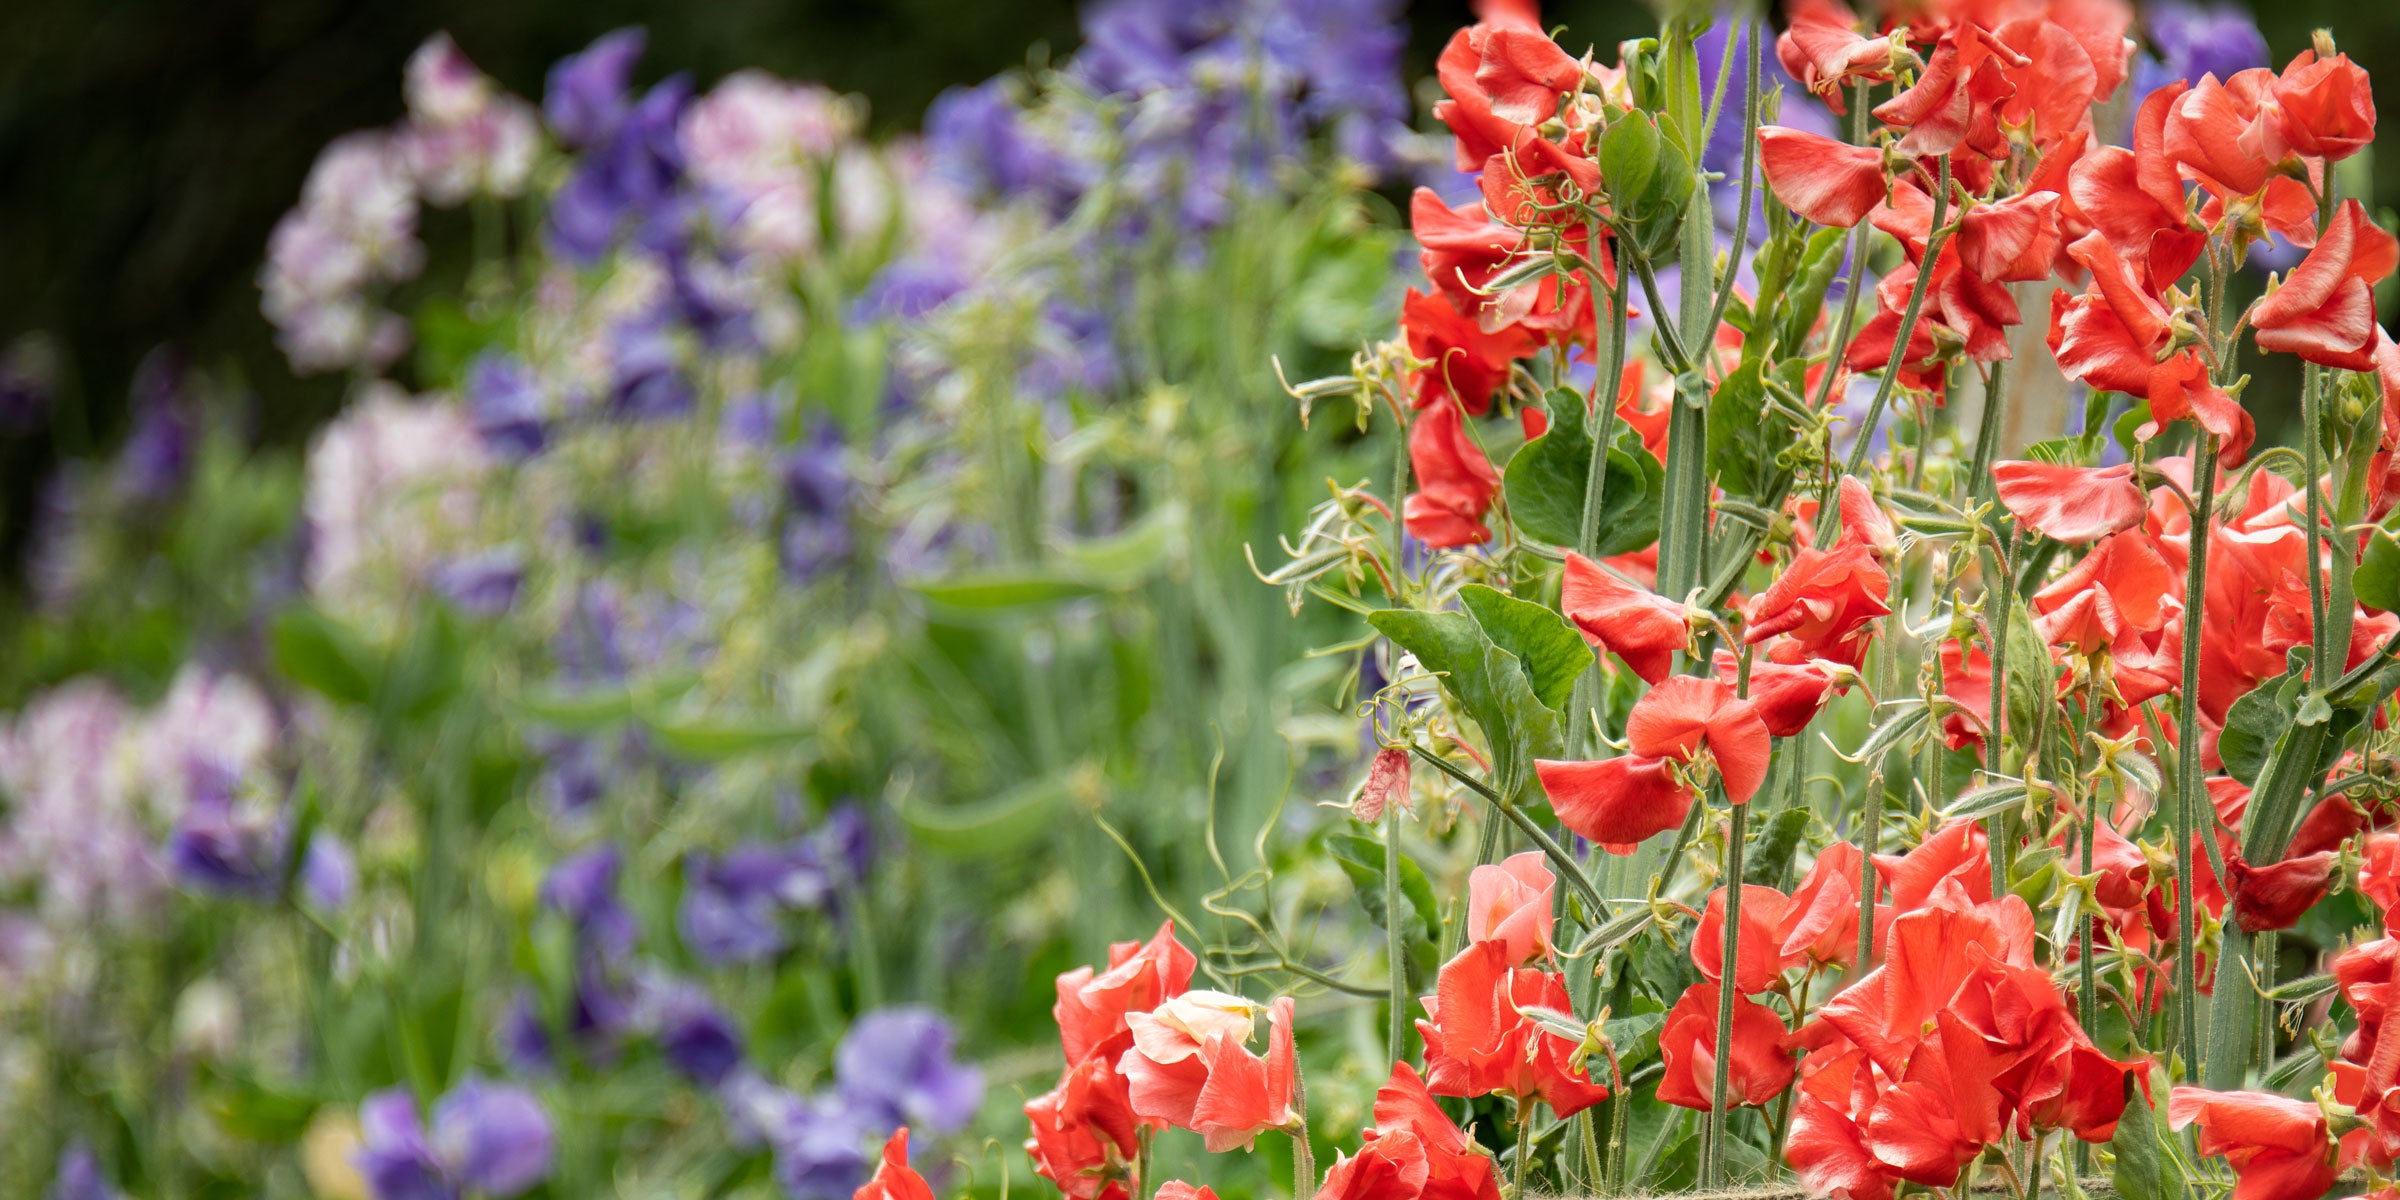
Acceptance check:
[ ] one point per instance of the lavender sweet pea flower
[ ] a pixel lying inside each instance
(482, 585)
(216, 848)
(79, 1177)
(583, 889)
(523, 1042)
(328, 872)
(158, 454)
(736, 908)
(846, 842)
(898, 1065)
(494, 1139)
(698, 1039)
(505, 402)
(649, 382)
(585, 101)
(394, 1157)
(2193, 40)
(821, 1150)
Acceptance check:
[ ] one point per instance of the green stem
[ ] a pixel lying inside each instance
(2191, 799)
(1564, 862)
(1728, 982)
(1396, 1039)
(1829, 510)
(1741, 219)
(1869, 837)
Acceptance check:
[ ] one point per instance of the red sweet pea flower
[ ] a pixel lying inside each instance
(1956, 853)
(1967, 685)
(2279, 1148)
(893, 1178)
(2325, 310)
(2118, 590)
(2069, 503)
(1414, 1152)
(1190, 1069)
(1787, 695)
(1616, 802)
(1955, 100)
(1687, 1046)
(2324, 108)
(1507, 152)
(1464, 250)
(1632, 622)
(1526, 74)
(1620, 801)
(1824, 50)
(1686, 714)
(2016, 240)
(1084, 1134)
(1091, 1007)
(1820, 924)
(2214, 132)
(1510, 902)
(1176, 1189)
(2128, 196)
(1478, 1042)
(1762, 960)
(1822, 603)
(1826, 182)
(2118, 337)
(1455, 482)
(2274, 896)
(1462, 361)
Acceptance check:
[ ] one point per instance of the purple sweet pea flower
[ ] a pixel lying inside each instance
(583, 888)
(216, 848)
(736, 908)
(79, 1177)
(328, 872)
(585, 101)
(493, 1138)
(157, 457)
(821, 1149)
(523, 1041)
(846, 842)
(898, 1065)
(698, 1039)
(394, 1157)
(649, 380)
(482, 585)
(505, 401)
(2193, 40)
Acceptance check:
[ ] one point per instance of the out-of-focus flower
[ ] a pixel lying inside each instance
(464, 137)
(504, 399)
(485, 1138)
(223, 845)
(73, 831)
(697, 1037)
(899, 1064)
(328, 872)
(208, 1020)
(157, 457)
(583, 889)
(820, 1149)
(355, 230)
(482, 585)
(79, 1177)
(2193, 40)
(329, 1152)
(737, 907)
(386, 487)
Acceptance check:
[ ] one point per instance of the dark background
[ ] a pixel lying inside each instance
(147, 146)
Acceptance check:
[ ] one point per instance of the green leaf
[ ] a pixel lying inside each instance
(720, 736)
(1491, 686)
(1744, 435)
(997, 825)
(2032, 677)
(2252, 724)
(2377, 581)
(1804, 297)
(575, 709)
(1130, 555)
(2142, 1170)
(1361, 858)
(324, 655)
(1767, 858)
(2127, 429)
(1552, 652)
(1545, 483)
(1629, 156)
(993, 593)
(249, 1109)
